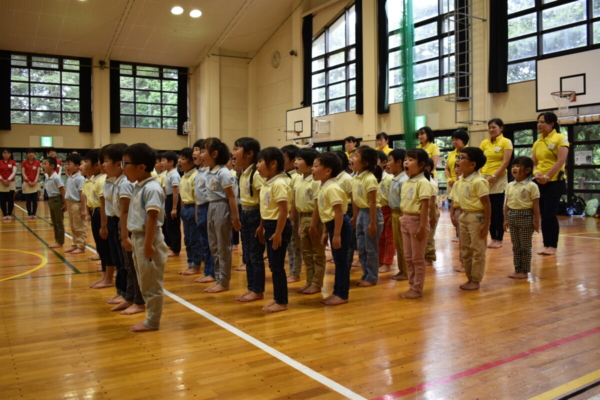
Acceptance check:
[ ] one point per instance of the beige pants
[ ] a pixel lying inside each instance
(398, 244)
(313, 252)
(472, 245)
(78, 225)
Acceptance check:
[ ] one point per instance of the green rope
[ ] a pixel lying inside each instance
(407, 33)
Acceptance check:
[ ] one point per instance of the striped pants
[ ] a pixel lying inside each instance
(520, 223)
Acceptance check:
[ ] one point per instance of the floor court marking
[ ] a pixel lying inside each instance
(40, 265)
(568, 387)
(485, 367)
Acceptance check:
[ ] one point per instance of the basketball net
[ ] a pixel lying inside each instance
(563, 99)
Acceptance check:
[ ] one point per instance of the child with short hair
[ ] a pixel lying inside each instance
(434, 217)
(191, 234)
(396, 167)
(147, 242)
(294, 253)
(386, 240)
(522, 214)
(455, 212)
(382, 140)
(73, 190)
(172, 202)
(276, 196)
(330, 203)
(367, 218)
(59, 163)
(312, 249)
(473, 196)
(30, 169)
(8, 171)
(55, 188)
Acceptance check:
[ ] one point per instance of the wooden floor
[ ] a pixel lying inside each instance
(509, 340)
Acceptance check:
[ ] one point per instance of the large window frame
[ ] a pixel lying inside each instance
(523, 68)
(324, 100)
(55, 98)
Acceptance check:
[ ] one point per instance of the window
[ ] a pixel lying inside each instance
(148, 96)
(44, 90)
(586, 160)
(434, 53)
(334, 67)
(546, 28)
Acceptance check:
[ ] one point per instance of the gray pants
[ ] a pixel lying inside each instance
(294, 252)
(150, 274)
(368, 247)
(219, 240)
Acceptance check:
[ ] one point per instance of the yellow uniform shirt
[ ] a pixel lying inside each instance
(546, 152)
(88, 191)
(494, 153)
(385, 149)
(186, 187)
(233, 173)
(328, 196)
(453, 195)
(520, 195)
(413, 191)
(248, 193)
(161, 178)
(305, 193)
(272, 192)
(153, 173)
(432, 149)
(469, 191)
(345, 181)
(451, 163)
(362, 184)
(384, 189)
(98, 189)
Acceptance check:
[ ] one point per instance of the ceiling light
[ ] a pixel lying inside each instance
(177, 10)
(195, 13)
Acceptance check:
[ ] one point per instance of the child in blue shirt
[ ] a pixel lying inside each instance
(74, 187)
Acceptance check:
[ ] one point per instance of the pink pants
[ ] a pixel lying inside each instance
(386, 240)
(414, 250)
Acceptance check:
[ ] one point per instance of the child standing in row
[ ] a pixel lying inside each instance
(294, 253)
(73, 197)
(55, 188)
(345, 181)
(30, 169)
(386, 240)
(172, 202)
(434, 216)
(522, 214)
(396, 167)
(191, 234)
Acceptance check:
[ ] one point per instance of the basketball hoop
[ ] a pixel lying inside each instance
(563, 99)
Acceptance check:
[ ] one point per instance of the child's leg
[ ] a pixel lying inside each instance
(134, 301)
(341, 285)
(175, 229)
(473, 247)
(430, 255)
(294, 253)
(71, 214)
(78, 227)
(515, 236)
(28, 204)
(407, 238)
(362, 231)
(4, 203)
(417, 254)
(277, 265)
(191, 239)
(398, 244)
(253, 251)
(465, 243)
(497, 218)
(313, 253)
(57, 216)
(352, 244)
(457, 213)
(187, 219)
(219, 234)
(372, 250)
(116, 250)
(209, 263)
(34, 202)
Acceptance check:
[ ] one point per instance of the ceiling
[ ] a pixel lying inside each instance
(141, 31)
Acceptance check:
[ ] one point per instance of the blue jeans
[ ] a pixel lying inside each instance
(368, 247)
(253, 251)
(277, 259)
(202, 225)
(341, 285)
(191, 236)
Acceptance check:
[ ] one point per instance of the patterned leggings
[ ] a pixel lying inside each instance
(520, 223)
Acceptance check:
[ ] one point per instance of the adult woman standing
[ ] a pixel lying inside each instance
(8, 170)
(549, 154)
(426, 142)
(498, 151)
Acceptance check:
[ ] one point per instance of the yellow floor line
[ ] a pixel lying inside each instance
(40, 265)
(568, 387)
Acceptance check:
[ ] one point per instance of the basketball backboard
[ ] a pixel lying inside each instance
(299, 123)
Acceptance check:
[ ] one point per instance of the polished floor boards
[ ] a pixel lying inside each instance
(509, 340)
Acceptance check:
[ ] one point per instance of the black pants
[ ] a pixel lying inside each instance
(173, 225)
(235, 235)
(102, 246)
(31, 203)
(114, 241)
(550, 195)
(134, 293)
(497, 220)
(7, 202)
(253, 250)
(341, 284)
(277, 258)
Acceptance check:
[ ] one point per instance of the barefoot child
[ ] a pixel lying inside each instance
(55, 188)
(191, 234)
(276, 197)
(330, 204)
(245, 151)
(522, 214)
(396, 166)
(386, 240)
(143, 221)
(74, 186)
(345, 181)
(313, 251)
(473, 196)
(172, 202)
(434, 216)
(367, 218)
(202, 214)
(294, 254)
(455, 212)
(222, 210)
(414, 203)
(30, 169)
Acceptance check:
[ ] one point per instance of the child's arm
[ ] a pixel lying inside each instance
(283, 215)
(103, 219)
(536, 215)
(452, 214)
(62, 194)
(233, 208)
(125, 241)
(175, 201)
(420, 235)
(336, 243)
(151, 223)
(433, 217)
(372, 195)
(487, 214)
(506, 216)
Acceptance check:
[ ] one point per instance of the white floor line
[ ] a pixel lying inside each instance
(583, 237)
(344, 391)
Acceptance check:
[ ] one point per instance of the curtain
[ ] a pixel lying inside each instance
(498, 70)
(182, 99)
(407, 33)
(360, 97)
(5, 90)
(85, 95)
(115, 97)
(307, 27)
(383, 70)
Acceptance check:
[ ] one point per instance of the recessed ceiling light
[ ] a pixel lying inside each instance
(195, 13)
(177, 10)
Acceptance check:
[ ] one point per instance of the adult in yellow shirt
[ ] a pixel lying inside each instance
(382, 143)
(498, 152)
(460, 139)
(549, 154)
(426, 140)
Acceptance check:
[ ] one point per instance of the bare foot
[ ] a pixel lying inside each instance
(116, 299)
(334, 301)
(459, 269)
(216, 289)
(331, 271)
(327, 298)
(293, 278)
(518, 275)
(491, 244)
(103, 284)
(274, 307)
(190, 271)
(385, 268)
(411, 294)
(99, 263)
(78, 251)
(242, 295)
(356, 263)
(302, 289)
(241, 267)
(134, 309)
(470, 286)
(311, 290)
(98, 281)
(428, 263)
(543, 251)
(55, 246)
(205, 279)
(140, 327)
(550, 251)
(400, 277)
(365, 284)
(122, 305)
(329, 259)
(252, 297)
(171, 254)
(70, 250)
(99, 269)
(92, 257)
